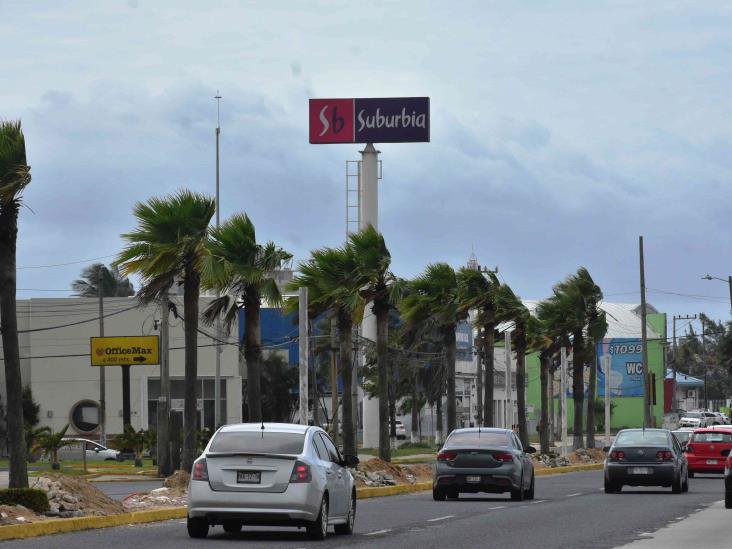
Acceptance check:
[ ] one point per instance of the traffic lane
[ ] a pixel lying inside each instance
(119, 490)
(569, 511)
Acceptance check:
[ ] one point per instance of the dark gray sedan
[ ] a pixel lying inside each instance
(483, 460)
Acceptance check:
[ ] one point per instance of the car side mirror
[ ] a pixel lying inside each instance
(530, 450)
(350, 461)
(96, 450)
(725, 452)
(606, 449)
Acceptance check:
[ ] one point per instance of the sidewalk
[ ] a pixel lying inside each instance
(709, 529)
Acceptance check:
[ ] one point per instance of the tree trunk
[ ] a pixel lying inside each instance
(191, 288)
(345, 335)
(415, 410)
(11, 352)
(488, 349)
(449, 339)
(382, 357)
(578, 388)
(521, 384)
(544, 421)
(253, 357)
(438, 420)
(592, 361)
(163, 426)
(479, 385)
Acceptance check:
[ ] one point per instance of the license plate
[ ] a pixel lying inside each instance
(640, 470)
(248, 477)
(711, 462)
(473, 479)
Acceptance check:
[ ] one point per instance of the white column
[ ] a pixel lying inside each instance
(606, 370)
(304, 354)
(563, 396)
(369, 215)
(509, 385)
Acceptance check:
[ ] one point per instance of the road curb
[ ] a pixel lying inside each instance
(379, 491)
(59, 526)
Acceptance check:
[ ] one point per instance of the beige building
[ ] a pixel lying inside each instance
(54, 344)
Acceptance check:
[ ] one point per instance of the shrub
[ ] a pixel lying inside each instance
(31, 498)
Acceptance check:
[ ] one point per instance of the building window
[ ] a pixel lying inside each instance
(85, 416)
(204, 396)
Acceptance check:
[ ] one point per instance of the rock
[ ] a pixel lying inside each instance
(389, 482)
(69, 498)
(53, 507)
(66, 514)
(78, 513)
(159, 491)
(20, 519)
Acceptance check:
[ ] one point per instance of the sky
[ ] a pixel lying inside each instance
(560, 132)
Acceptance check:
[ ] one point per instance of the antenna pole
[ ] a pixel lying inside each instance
(217, 376)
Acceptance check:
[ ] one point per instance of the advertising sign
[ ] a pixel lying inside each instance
(118, 351)
(626, 367)
(372, 120)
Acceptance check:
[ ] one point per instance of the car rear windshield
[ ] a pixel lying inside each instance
(716, 436)
(258, 443)
(693, 415)
(484, 439)
(641, 438)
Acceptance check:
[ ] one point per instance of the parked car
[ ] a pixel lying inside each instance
(704, 450)
(723, 419)
(94, 451)
(683, 435)
(694, 420)
(401, 432)
(646, 457)
(483, 460)
(728, 479)
(272, 474)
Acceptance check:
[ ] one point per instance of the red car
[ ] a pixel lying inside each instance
(705, 449)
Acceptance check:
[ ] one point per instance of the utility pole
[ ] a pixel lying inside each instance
(304, 354)
(163, 442)
(676, 356)
(508, 384)
(704, 361)
(607, 369)
(334, 380)
(217, 376)
(563, 399)
(479, 380)
(647, 418)
(102, 375)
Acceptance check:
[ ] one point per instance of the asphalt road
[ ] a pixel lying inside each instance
(570, 510)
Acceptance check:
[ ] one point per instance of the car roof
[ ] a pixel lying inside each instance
(482, 430)
(712, 428)
(271, 427)
(646, 429)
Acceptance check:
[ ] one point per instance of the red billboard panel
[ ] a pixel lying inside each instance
(331, 121)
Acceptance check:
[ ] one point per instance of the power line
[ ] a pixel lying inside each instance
(65, 264)
(75, 323)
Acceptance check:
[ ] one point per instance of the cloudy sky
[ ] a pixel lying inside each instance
(560, 131)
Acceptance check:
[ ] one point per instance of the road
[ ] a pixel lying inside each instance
(570, 510)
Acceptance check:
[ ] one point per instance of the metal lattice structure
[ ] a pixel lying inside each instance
(353, 195)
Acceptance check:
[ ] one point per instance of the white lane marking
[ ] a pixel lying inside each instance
(539, 501)
(572, 495)
(494, 508)
(440, 518)
(377, 532)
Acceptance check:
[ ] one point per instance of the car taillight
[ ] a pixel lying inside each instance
(617, 455)
(446, 456)
(301, 472)
(503, 456)
(664, 455)
(200, 471)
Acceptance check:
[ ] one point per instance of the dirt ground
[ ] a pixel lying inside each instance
(92, 501)
(17, 514)
(402, 474)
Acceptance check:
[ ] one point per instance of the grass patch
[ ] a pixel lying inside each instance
(76, 468)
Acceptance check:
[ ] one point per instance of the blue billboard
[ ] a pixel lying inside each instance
(626, 367)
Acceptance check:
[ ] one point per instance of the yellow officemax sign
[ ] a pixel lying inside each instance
(124, 350)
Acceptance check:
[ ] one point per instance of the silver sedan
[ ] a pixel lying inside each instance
(272, 474)
(483, 460)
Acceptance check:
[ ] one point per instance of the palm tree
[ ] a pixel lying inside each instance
(50, 443)
(511, 309)
(567, 314)
(540, 341)
(113, 284)
(596, 330)
(382, 289)
(332, 278)
(168, 244)
(240, 270)
(434, 300)
(15, 176)
(479, 293)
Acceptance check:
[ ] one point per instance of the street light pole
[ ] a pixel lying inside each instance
(217, 376)
(728, 281)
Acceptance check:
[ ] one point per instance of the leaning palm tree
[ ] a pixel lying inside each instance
(434, 300)
(113, 284)
(479, 292)
(546, 346)
(511, 309)
(240, 270)
(382, 289)
(169, 244)
(14, 178)
(332, 278)
(596, 330)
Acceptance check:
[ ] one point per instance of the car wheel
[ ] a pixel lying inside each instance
(232, 526)
(529, 494)
(453, 494)
(518, 495)
(676, 485)
(611, 487)
(197, 527)
(685, 484)
(438, 494)
(728, 498)
(319, 528)
(691, 474)
(347, 528)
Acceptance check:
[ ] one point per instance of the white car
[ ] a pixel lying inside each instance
(94, 451)
(401, 432)
(274, 474)
(694, 420)
(721, 418)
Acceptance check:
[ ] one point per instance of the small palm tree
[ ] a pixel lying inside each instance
(240, 269)
(333, 281)
(15, 176)
(133, 440)
(50, 443)
(113, 284)
(169, 244)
